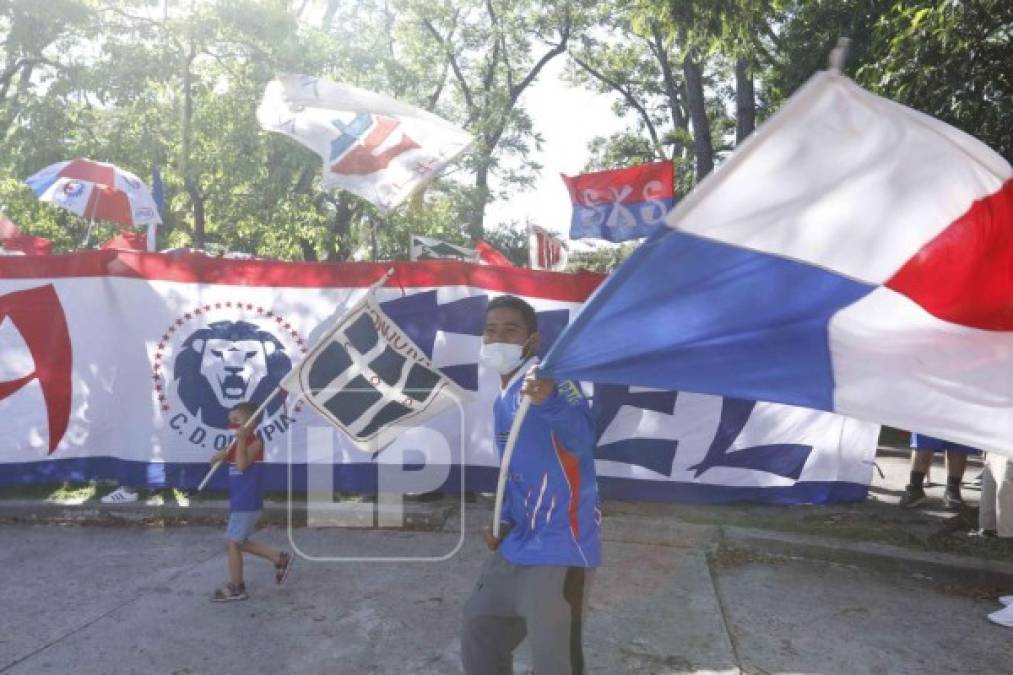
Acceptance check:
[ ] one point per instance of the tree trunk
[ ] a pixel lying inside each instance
(745, 100)
(309, 254)
(476, 220)
(329, 11)
(662, 54)
(703, 148)
(340, 248)
(197, 199)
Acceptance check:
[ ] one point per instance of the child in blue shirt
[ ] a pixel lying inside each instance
(246, 502)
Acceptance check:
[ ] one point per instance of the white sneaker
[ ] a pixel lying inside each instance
(1004, 617)
(1006, 600)
(122, 495)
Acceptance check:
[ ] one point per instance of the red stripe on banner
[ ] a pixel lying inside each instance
(965, 274)
(195, 268)
(28, 245)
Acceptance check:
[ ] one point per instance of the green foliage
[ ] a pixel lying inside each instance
(639, 52)
(108, 80)
(510, 239)
(806, 33)
(602, 259)
(493, 51)
(952, 60)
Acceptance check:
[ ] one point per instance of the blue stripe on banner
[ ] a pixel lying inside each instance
(362, 478)
(690, 314)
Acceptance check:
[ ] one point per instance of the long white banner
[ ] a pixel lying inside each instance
(124, 365)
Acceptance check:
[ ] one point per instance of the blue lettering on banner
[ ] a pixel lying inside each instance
(782, 459)
(658, 454)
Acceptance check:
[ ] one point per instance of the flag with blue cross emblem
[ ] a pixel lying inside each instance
(371, 145)
(371, 380)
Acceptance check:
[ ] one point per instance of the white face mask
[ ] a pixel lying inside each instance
(503, 357)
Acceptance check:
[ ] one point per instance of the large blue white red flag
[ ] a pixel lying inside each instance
(621, 204)
(853, 256)
(372, 145)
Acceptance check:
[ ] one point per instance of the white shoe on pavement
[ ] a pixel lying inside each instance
(1004, 617)
(122, 495)
(1006, 600)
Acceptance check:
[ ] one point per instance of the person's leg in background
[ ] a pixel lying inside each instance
(987, 505)
(914, 493)
(1001, 468)
(956, 464)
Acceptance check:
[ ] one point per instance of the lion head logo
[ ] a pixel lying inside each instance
(226, 363)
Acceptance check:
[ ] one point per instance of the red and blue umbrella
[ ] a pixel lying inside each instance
(96, 191)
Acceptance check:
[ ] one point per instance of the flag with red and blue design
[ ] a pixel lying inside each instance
(621, 204)
(853, 255)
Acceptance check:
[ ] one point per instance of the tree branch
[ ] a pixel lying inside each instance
(564, 38)
(630, 98)
(452, 59)
(502, 46)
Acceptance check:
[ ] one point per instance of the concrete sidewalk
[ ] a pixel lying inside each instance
(115, 600)
(875, 533)
(90, 588)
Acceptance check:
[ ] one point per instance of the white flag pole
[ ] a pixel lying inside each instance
(94, 208)
(377, 284)
(504, 467)
(839, 55)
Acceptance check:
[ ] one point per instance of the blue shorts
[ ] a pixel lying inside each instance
(241, 525)
(923, 442)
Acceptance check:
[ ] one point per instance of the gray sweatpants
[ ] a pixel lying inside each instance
(510, 602)
(995, 511)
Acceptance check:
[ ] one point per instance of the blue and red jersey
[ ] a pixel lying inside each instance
(246, 488)
(551, 502)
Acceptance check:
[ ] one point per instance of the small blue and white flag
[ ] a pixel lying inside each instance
(369, 379)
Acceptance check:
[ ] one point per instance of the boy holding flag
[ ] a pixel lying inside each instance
(535, 583)
(246, 502)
